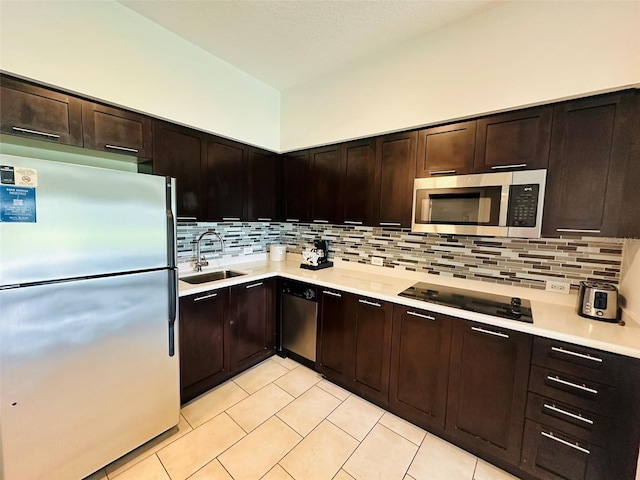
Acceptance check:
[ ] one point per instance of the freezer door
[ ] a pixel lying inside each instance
(85, 374)
(86, 221)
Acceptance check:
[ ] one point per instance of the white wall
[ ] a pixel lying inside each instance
(517, 54)
(104, 50)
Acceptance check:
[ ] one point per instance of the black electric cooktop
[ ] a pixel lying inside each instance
(513, 308)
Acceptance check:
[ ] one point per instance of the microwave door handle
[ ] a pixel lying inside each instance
(504, 205)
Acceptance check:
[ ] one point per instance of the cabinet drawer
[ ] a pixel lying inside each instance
(590, 396)
(552, 455)
(583, 362)
(565, 418)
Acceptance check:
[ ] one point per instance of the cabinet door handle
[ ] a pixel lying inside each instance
(373, 304)
(442, 172)
(254, 285)
(514, 165)
(564, 442)
(35, 132)
(333, 294)
(416, 314)
(316, 220)
(124, 149)
(264, 219)
(204, 297)
(230, 219)
(584, 388)
(186, 219)
(576, 354)
(292, 219)
(390, 224)
(490, 332)
(353, 222)
(576, 230)
(568, 414)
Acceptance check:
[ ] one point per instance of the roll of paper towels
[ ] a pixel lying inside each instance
(278, 253)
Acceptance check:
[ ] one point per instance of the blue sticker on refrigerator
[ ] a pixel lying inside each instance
(17, 204)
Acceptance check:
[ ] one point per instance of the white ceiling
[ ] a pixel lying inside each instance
(285, 42)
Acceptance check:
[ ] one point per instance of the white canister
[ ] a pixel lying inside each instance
(277, 253)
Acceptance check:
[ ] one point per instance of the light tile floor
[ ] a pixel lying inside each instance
(282, 421)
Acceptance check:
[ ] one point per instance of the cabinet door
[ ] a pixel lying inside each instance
(251, 323)
(395, 171)
(589, 147)
(488, 388)
(204, 349)
(263, 186)
(372, 349)
(226, 173)
(39, 113)
(420, 366)
(115, 130)
(181, 153)
(335, 336)
(325, 185)
(446, 150)
(514, 140)
(296, 169)
(358, 175)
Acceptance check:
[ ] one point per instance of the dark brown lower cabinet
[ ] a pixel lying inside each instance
(204, 347)
(251, 323)
(488, 388)
(420, 366)
(334, 354)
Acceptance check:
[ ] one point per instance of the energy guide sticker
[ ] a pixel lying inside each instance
(17, 204)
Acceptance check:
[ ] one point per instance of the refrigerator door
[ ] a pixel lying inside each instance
(85, 374)
(86, 221)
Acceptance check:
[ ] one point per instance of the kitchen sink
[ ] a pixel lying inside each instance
(212, 277)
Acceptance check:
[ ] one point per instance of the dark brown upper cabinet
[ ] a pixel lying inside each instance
(395, 170)
(296, 200)
(446, 150)
(591, 144)
(514, 140)
(181, 152)
(358, 176)
(39, 113)
(325, 185)
(116, 130)
(225, 180)
(263, 186)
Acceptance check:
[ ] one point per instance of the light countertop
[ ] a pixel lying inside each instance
(554, 314)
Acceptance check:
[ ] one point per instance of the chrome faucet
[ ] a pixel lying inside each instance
(201, 261)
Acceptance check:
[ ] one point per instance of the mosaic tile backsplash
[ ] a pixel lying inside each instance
(512, 261)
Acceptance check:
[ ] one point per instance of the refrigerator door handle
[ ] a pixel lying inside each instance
(171, 231)
(173, 309)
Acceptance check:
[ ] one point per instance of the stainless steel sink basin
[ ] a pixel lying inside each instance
(212, 277)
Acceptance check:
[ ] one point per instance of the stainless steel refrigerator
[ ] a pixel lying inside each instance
(88, 359)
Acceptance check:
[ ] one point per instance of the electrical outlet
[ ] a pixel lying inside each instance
(248, 250)
(558, 287)
(377, 261)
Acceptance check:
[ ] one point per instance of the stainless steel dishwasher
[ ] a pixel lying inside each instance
(299, 320)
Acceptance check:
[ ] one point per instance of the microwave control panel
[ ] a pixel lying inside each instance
(523, 205)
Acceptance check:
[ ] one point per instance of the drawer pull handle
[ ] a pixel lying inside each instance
(204, 297)
(568, 414)
(515, 165)
(390, 224)
(366, 302)
(576, 354)
(584, 388)
(35, 132)
(264, 219)
(353, 222)
(124, 149)
(254, 285)
(333, 294)
(442, 172)
(416, 314)
(576, 230)
(230, 219)
(564, 442)
(490, 332)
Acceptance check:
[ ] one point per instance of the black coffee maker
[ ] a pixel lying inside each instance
(316, 258)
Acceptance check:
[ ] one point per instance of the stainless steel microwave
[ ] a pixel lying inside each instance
(505, 204)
